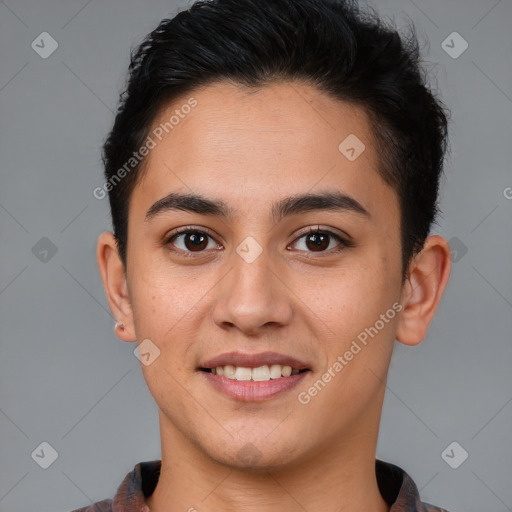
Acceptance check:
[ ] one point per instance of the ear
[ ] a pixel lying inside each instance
(114, 281)
(427, 278)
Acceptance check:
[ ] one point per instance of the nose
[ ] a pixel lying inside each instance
(252, 297)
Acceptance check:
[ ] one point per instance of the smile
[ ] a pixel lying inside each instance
(260, 374)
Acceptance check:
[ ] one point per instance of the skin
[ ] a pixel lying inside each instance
(250, 150)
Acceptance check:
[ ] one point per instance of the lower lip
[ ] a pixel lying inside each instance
(253, 391)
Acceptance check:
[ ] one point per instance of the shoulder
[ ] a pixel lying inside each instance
(99, 506)
(399, 490)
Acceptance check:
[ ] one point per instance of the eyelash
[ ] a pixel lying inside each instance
(343, 243)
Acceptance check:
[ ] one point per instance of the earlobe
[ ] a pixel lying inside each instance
(429, 272)
(114, 281)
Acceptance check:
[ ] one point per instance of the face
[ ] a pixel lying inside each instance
(290, 254)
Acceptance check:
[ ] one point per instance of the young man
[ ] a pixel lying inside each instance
(273, 173)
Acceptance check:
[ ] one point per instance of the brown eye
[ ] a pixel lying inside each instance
(320, 241)
(196, 241)
(317, 241)
(192, 241)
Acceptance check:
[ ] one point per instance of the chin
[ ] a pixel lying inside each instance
(258, 456)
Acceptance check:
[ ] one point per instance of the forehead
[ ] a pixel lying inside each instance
(257, 145)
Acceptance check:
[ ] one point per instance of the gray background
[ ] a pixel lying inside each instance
(65, 379)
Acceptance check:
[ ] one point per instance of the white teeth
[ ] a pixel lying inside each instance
(286, 371)
(260, 374)
(229, 371)
(243, 373)
(275, 371)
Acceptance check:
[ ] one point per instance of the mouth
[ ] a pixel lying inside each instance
(260, 367)
(260, 374)
(253, 377)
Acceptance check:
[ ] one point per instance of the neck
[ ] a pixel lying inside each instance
(337, 478)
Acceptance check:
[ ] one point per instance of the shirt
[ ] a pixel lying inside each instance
(395, 485)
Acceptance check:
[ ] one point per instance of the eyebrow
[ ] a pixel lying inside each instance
(292, 205)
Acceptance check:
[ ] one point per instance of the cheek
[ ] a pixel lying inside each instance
(161, 311)
(361, 314)
(161, 296)
(373, 287)
(354, 298)
(166, 307)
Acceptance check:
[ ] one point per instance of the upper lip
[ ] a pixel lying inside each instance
(253, 360)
